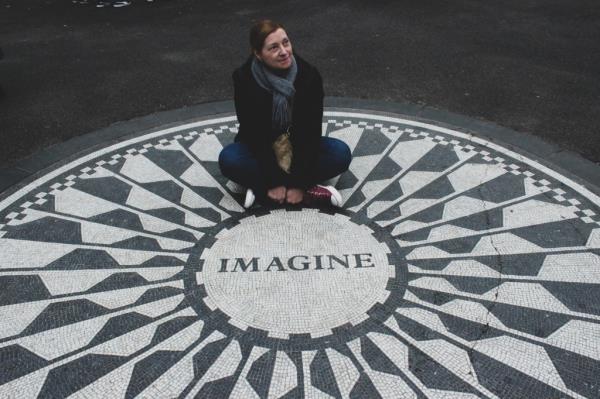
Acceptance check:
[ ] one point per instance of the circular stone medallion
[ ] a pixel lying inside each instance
(456, 268)
(296, 272)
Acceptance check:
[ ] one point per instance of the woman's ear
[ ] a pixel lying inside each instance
(257, 55)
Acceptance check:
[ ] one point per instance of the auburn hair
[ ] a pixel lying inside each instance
(259, 32)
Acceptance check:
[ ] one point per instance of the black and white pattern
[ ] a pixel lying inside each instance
(457, 268)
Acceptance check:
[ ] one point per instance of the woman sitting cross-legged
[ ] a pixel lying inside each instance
(279, 153)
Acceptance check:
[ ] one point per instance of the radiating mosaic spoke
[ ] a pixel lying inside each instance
(456, 269)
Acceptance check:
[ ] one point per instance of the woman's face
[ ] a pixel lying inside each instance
(277, 50)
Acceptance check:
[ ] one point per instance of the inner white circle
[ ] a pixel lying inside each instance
(341, 272)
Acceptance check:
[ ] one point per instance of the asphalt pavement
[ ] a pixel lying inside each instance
(71, 68)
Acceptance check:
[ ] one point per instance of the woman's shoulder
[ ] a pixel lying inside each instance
(244, 71)
(306, 72)
(304, 65)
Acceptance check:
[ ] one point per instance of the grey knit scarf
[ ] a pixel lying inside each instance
(282, 88)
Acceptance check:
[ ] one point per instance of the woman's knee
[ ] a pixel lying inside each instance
(345, 155)
(237, 162)
(339, 153)
(230, 160)
(233, 154)
(225, 157)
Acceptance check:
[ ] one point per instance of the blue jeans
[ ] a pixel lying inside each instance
(238, 164)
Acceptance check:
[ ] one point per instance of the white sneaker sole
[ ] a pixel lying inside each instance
(250, 198)
(336, 197)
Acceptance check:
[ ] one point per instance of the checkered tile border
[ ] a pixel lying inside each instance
(114, 159)
(585, 214)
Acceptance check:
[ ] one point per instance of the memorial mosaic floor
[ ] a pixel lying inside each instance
(457, 268)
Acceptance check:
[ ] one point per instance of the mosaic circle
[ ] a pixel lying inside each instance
(335, 288)
(456, 268)
(297, 273)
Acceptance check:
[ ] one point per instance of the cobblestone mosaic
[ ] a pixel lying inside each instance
(456, 269)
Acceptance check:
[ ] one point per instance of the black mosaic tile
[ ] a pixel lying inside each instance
(217, 389)
(429, 215)
(364, 388)
(578, 297)
(356, 198)
(108, 188)
(119, 218)
(481, 221)
(119, 325)
(371, 144)
(385, 169)
(259, 375)
(147, 370)
(531, 321)
(578, 372)
(83, 259)
(390, 193)
(321, 375)
(500, 189)
(170, 328)
(506, 382)
(154, 294)
(433, 297)
(347, 180)
(63, 313)
(458, 245)
(69, 378)
(433, 375)
(205, 358)
(18, 289)
(437, 160)
(173, 162)
(474, 285)
(166, 189)
(16, 361)
(437, 189)
(47, 229)
(139, 243)
(468, 330)
(169, 214)
(558, 234)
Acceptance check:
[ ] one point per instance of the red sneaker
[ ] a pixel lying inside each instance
(322, 196)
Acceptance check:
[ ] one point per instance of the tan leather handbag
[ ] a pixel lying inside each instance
(282, 147)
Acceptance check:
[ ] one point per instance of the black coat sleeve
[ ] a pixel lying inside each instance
(307, 132)
(246, 115)
(255, 127)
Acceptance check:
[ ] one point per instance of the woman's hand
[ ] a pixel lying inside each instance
(277, 194)
(294, 196)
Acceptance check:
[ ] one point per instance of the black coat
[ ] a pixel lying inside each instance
(254, 108)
